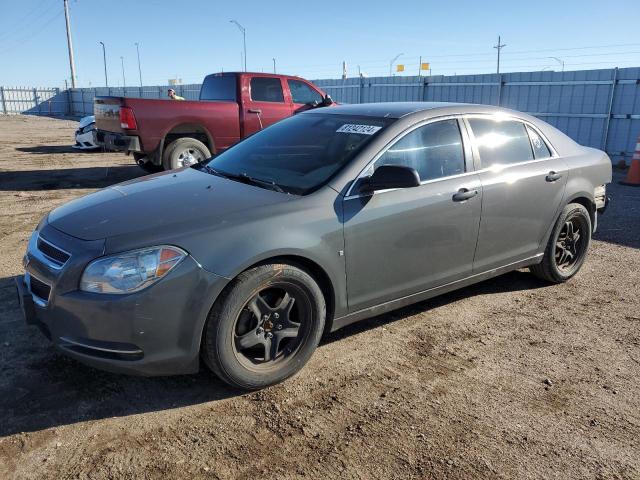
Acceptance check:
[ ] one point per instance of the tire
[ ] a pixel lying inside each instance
(565, 253)
(242, 333)
(184, 152)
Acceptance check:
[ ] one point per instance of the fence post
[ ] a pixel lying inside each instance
(608, 121)
(499, 90)
(35, 99)
(4, 105)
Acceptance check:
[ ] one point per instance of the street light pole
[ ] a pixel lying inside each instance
(274, 65)
(124, 81)
(104, 58)
(244, 41)
(139, 67)
(561, 62)
(392, 62)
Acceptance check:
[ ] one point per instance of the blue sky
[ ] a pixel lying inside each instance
(190, 38)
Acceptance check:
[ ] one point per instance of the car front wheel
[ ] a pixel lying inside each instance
(567, 248)
(264, 327)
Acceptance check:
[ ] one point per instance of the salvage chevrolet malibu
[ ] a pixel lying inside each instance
(325, 218)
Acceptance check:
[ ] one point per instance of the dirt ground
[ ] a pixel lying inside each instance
(511, 378)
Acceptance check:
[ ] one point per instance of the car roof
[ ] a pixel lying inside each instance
(401, 109)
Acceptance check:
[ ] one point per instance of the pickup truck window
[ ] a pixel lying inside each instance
(501, 142)
(300, 153)
(303, 93)
(266, 89)
(219, 88)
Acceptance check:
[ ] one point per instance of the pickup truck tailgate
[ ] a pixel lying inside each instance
(107, 113)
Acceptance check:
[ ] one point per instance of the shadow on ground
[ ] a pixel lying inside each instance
(66, 178)
(620, 223)
(49, 149)
(41, 388)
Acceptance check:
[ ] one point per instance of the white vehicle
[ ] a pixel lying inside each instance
(85, 134)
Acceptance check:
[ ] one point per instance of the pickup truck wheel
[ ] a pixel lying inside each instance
(184, 152)
(264, 327)
(567, 248)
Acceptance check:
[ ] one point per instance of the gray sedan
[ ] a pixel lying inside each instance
(325, 218)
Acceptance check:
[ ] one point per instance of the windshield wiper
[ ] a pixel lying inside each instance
(212, 171)
(244, 177)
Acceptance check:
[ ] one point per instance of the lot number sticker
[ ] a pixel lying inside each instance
(361, 129)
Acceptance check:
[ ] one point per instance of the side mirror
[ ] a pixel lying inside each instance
(392, 176)
(327, 100)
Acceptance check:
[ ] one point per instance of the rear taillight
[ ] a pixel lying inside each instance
(127, 119)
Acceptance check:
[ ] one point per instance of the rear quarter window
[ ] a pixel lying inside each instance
(540, 148)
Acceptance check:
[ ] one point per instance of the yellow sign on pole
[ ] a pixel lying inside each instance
(399, 68)
(424, 66)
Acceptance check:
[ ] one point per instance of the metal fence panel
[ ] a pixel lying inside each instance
(598, 108)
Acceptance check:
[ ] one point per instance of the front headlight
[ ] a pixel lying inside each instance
(130, 271)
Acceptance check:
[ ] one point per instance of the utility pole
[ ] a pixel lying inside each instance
(393, 60)
(139, 67)
(499, 47)
(274, 65)
(72, 63)
(124, 81)
(104, 58)
(244, 41)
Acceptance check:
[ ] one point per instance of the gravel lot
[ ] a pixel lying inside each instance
(511, 378)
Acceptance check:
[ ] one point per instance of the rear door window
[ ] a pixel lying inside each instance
(219, 88)
(501, 142)
(303, 93)
(266, 89)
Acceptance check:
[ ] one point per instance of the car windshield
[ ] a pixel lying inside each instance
(299, 154)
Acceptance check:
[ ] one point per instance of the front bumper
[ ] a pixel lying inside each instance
(86, 140)
(156, 331)
(118, 141)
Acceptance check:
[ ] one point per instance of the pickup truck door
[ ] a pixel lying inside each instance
(523, 183)
(263, 103)
(403, 241)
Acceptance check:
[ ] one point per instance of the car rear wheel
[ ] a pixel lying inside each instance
(264, 327)
(567, 248)
(184, 152)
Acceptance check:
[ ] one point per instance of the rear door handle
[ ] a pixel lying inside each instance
(464, 194)
(255, 110)
(553, 176)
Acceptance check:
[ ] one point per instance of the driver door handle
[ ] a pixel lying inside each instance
(464, 194)
(553, 176)
(255, 110)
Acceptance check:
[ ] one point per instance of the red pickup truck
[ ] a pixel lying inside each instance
(168, 134)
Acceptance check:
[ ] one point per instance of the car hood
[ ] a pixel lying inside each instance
(180, 199)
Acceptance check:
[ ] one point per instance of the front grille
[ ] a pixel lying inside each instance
(52, 252)
(39, 288)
